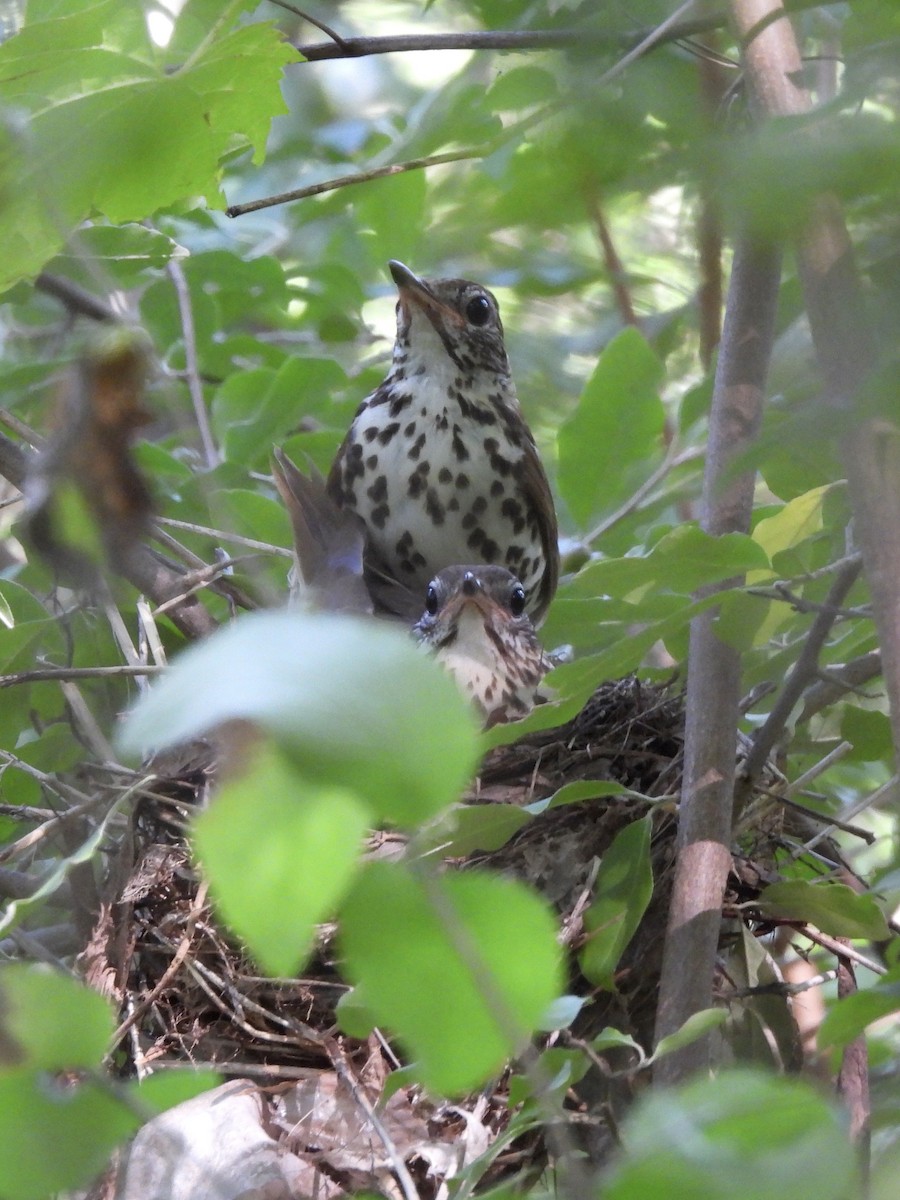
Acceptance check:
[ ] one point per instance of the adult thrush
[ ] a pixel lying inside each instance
(476, 624)
(439, 462)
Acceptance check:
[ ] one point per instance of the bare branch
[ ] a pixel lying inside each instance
(43, 674)
(195, 387)
(331, 185)
(75, 298)
(714, 672)
(802, 672)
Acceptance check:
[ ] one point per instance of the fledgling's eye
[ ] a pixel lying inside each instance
(478, 311)
(431, 600)
(517, 600)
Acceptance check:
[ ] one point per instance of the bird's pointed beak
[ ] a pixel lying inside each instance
(471, 592)
(415, 290)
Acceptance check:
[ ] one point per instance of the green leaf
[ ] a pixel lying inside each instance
(482, 827)
(461, 968)
(274, 880)
(681, 562)
(623, 890)
(577, 791)
(56, 1136)
(121, 253)
(832, 907)
(851, 1016)
(254, 409)
(618, 421)
(51, 1021)
(146, 137)
(867, 731)
(353, 702)
(614, 1039)
(744, 1134)
(696, 1026)
(785, 532)
(561, 1013)
(521, 87)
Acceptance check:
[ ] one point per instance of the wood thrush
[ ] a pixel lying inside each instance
(476, 625)
(439, 463)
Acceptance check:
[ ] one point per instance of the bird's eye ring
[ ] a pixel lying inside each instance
(517, 600)
(478, 310)
(431, 600)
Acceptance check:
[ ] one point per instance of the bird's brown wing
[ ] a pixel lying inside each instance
(328, 541)
(540, 501)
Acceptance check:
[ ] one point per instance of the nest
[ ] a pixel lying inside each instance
(187, 991)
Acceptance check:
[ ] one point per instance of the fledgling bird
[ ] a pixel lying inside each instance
(476, 625)
(328, 541)
(439, 463)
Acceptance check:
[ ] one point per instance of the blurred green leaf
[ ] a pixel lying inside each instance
(743, 1133)
(851, 1016)
(279, 852)
(345, 698)
(461, 968)
(51, 1021)
(621, 895)
(56, 1136)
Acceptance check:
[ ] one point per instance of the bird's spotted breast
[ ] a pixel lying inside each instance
(434, 465)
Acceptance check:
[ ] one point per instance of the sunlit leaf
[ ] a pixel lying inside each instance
(461, 968)
(280, 852)
(346, 698)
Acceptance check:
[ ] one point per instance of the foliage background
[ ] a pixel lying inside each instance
(584, 195)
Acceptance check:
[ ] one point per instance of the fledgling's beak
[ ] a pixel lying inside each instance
(471, 592)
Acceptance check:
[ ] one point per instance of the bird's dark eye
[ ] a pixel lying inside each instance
(517, 600)
(478, 310)
(431, 600)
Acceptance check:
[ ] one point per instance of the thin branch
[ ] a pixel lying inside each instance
(305, 16)
(192, 362)
(860, 806)
(802, 672)
(75, 298)
(842, 950)
(837, 681)
(714, 671)
(853, 1078)
(655, 37)
(613, 263)
(224, 535)
(331, 185)
(509, 39)
(45, 674)
(673, 458)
